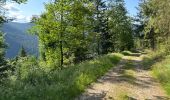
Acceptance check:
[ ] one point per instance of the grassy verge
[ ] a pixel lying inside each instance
(161, 71)
(126, 53)
(151, 58)
(159, 64)
(63, 84)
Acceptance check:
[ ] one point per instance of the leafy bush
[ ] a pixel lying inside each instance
(66, 84)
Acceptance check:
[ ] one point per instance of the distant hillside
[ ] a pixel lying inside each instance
(16, 36)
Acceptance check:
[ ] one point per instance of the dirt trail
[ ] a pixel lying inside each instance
(127, 81)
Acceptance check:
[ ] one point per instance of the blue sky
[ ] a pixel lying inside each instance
(131, 6)
(24, 12)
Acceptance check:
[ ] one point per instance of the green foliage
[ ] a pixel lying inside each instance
(157, 55)
(31, 82)
(103, 37)
(74, 31)
(2, 49)
(69, 32)
(126, 53)
(25, 66)
(3, 62)
(120, 26)
(151, 58)
(155, 18)
(161, 71)
(22, 52)
(159, 63)
(63, 31)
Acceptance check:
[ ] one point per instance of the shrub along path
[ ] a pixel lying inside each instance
(127, 81)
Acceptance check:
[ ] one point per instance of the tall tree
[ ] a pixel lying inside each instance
(63, 31)
(105, 35)
(80, 27)
(22, 52)
(120, 26)
(148, 11)
(50, 28)
(101, 27)
(2, 53)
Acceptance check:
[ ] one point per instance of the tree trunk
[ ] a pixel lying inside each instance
(152, 40)
(61, 38)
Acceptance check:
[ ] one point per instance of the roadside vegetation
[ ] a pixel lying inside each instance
(30, 82)
(158, 62)
(77, 40)
(161, 71)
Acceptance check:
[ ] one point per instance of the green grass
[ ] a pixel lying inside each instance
(63, 84)
(151, 58)
(128, 65)
(161, 71)
(126, 53)
(130, 74)
(159, 64)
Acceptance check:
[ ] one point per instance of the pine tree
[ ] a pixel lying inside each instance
(2, 50)
(120, 26)
(101, 27)
(106, 43)
(22, 53)
(156, 15)
(80, 25)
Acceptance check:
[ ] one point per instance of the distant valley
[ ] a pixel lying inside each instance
(16, 36)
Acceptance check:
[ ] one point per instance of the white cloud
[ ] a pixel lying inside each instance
(11, 7)
(14, 12)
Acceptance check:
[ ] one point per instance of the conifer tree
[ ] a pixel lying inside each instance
(22, 53)
(101, 27)
(120, 26)
(156, 16)
(2, 51)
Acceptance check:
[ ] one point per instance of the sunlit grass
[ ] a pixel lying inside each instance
(119, 93)
(159, 64)
(126, 53)
(130, 74)
(161, 71)
(63, 84)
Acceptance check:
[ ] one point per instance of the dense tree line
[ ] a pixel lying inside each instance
(154, 23)
(71, 31)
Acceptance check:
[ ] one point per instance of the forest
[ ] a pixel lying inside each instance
(80, 41)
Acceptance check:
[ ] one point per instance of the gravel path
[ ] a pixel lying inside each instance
(117, 85)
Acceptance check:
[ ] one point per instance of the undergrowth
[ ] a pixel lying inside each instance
(32, 83)
(159, 64)
(161, 71)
